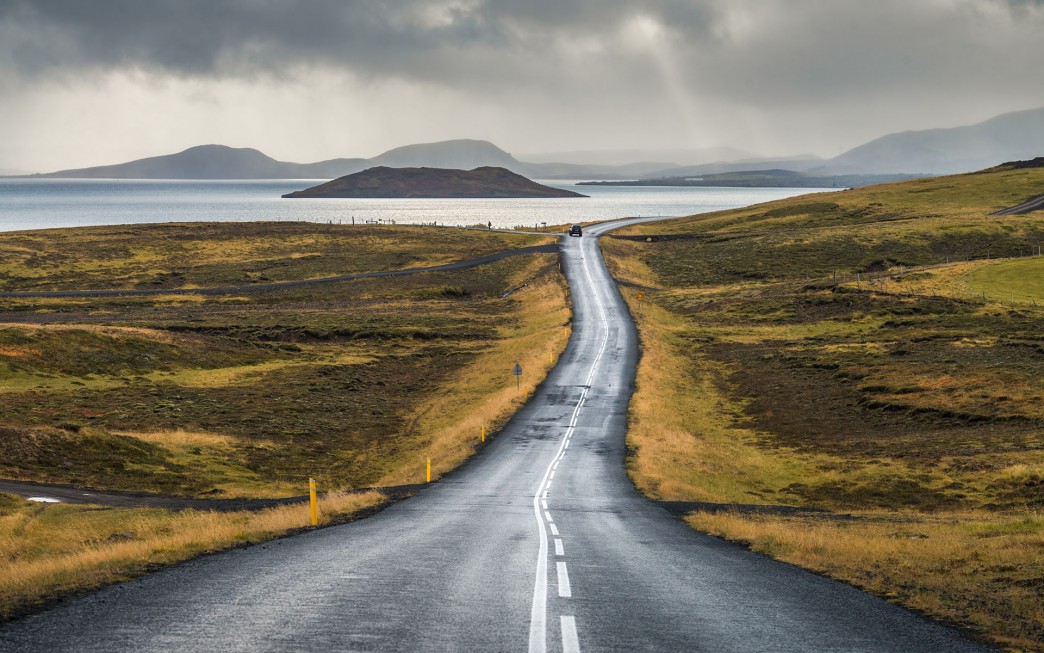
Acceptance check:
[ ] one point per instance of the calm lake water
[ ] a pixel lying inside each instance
(46, 203)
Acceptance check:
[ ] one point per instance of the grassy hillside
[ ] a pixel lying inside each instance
(919, 222)
(907, 399)
(249, 396)
(197, 254)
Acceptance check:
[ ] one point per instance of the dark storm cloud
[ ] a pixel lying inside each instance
(789, 51)
(775, 76)
(418, 38)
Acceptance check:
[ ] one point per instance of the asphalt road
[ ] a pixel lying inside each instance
(1030, 205)
(538, 543)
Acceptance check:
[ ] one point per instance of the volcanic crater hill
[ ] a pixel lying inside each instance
(385, 182)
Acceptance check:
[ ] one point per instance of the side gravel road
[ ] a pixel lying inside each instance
(282, 285)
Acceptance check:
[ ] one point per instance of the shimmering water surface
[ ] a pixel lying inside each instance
(45, 203)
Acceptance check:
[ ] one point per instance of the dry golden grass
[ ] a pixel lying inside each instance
(693, 439)
(979, 569)
(158, 335)
(683, 431)
(50, 550)
(183, 438)
(484, 394)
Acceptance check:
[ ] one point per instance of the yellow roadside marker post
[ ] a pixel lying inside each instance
(427, 476)
(639, 303)
(483, 432)
(312, 502)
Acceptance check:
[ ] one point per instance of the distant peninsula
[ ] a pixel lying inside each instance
(384, 182)
(775, 178)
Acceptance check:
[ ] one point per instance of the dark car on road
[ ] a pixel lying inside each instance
(576, 230)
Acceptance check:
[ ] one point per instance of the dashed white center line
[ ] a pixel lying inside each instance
(538, 613)
(570, 641)
(544, 503)
(564, 590)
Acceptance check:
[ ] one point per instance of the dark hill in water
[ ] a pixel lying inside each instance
(433, 182)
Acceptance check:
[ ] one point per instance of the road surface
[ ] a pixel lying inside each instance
(538, 543)
(1029, 206)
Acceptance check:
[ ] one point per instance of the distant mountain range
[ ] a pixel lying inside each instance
(772, 178)
(216, 162)
(223, 162)
(1011, 136)
(662, 158)
(382, 181)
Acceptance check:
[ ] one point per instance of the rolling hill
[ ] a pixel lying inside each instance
(215, 162)
(1011, 136)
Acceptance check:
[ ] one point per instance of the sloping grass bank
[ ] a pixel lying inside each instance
(354, 384)
(50, 551)
(912, 406)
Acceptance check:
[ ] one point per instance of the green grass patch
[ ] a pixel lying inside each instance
(1020, 282)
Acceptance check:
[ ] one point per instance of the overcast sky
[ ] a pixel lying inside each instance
(103, 81)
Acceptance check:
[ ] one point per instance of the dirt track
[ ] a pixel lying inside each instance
(69, 494)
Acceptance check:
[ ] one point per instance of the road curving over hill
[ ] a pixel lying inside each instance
(538, 543)
(1029, 206)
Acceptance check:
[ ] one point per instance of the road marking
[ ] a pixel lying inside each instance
(564, 590)
(559, 551)
(548, 515)
(570, 641)
(544, 504)
(538, 613)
